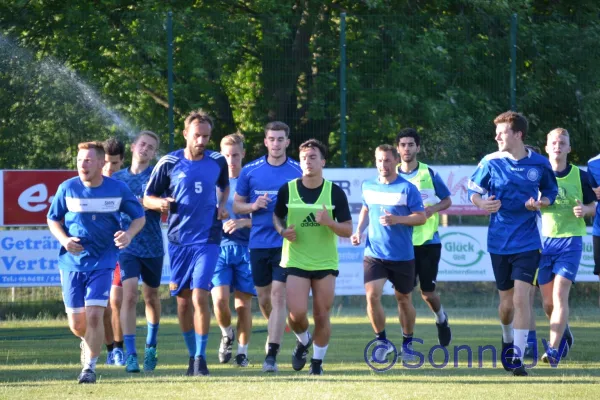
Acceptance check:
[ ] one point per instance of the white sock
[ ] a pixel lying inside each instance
(440, 316)
(520, 341)
(228, 331)
(91, 363)
(507, 333)
(319, 352)
(302, 337)
(242, 349)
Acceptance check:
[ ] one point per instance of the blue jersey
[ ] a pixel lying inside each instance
(513, 229)
(441, 192)
(393, 243)
(193, 214)
(240, 236)
(594, 174)
(92, 214)
(256, 179)
(148, 243)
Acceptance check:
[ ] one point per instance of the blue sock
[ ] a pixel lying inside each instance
(151, 335)
(201, 341)
(129, 344)
(190, 342)
(532, 338)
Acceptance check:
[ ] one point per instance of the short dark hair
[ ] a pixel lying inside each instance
(199, 116)
(314, 144)
(278, 126)
(114, 147)
(516, 121)
(97, 146)
(388, 148)
(408, 132)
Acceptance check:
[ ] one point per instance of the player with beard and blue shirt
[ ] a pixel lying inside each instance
(188, 178)
(256, 194)
(143, 258)
(233, 272)
(85, 217)
(563, 228)
(513, 178)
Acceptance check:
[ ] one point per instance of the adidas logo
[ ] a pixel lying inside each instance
(310, 220)
(181, 175)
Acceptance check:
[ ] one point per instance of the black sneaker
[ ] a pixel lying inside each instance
(507, 355)
(225, 349)
(444, 332)
(519, 368)
(87, 376)
(190, 370)
(316, 367)
(299, 354)
(200, 367)
(241, 360)
(270, 364)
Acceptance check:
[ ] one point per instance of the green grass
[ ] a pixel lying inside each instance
(39, 359)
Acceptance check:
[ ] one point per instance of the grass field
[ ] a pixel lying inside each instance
(39, 359)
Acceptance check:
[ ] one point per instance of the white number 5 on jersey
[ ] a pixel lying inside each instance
(198, 187)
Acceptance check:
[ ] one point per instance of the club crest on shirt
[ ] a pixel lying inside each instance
(532, 174)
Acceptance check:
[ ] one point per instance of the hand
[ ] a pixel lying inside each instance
(289, 233)
(597, 191)
(165, 204)
(232, 225)
(429, 212)
(355, 239)
(72, 245)
(388, 219)
(490, 204)
(322, 217)
(579, 210)
(122, 239)
(261, 202)
(222, 213)
(533, 205)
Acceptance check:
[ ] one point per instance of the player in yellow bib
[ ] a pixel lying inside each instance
(426, 239)
(310, 213)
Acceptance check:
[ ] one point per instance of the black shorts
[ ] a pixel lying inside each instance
(265, 266)
(596, 243)
(400, 273)
(316, 275)
(427, 260)
(511, 267)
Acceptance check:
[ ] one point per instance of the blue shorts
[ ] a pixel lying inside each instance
(84, 289)
(192, 267)
(509, 268)
(150, 269)
(265, 266)
(565, 264)
(233, 269)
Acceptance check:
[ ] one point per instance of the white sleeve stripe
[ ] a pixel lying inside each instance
(476, 188)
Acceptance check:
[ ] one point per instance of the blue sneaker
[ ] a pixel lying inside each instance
(531, 351)
(551, 356)
(132, 364)
(150, 359)
(568, 336)
(119, 356)
(110, 358)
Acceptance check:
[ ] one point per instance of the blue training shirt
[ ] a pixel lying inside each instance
(240, 236)
(193, 216)
(148, 243)
(256, 179)
(441, 192)
(513, 229)
(594, 174)
(92, 214)
(393, 243)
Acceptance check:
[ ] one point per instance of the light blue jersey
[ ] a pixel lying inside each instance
(256, 179)
(240, 236)
(594, 174)
(94, 216)
(392, 243)
(193, 215)
(148, 242)
(513, 229)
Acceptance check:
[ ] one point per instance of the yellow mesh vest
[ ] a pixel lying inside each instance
(422, 180)
(558, 219)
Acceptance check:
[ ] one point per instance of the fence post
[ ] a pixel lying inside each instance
(513, 62)
(170, 77)
(343, 90)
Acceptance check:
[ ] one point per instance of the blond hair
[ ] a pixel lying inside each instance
(149, 134)
(95, 145)
(559, 132)
(233, 139)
